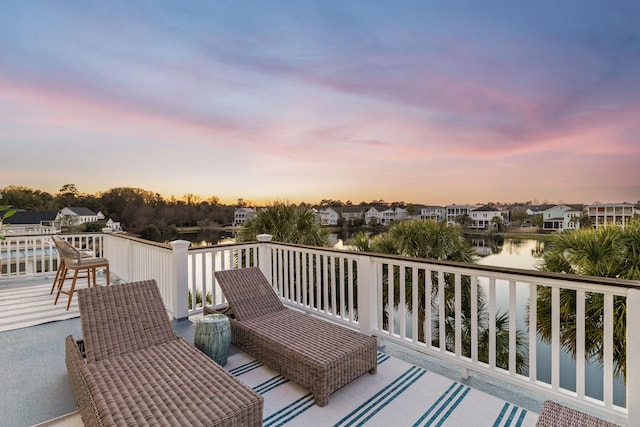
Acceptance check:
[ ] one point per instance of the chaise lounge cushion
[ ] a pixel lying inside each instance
(171, 384)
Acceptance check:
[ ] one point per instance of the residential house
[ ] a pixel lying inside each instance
(483, 217)
(112, 227)
(78, 215)
(23, 222)
(562, 217)
(352, 214)
(434, 213)
(372, 215)
(605, 214)
(242, 215)
(454, 211)
(328, 216)
(389, 215)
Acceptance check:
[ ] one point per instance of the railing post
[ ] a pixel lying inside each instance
(264, 255)
(180, 283)
(367, 294)
(633, 355)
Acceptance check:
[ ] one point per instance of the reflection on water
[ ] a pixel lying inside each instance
(511, 253)
(208, 238)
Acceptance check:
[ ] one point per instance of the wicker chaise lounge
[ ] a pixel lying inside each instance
(137, 371)
(318, 355)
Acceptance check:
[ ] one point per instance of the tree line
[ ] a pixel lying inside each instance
(135, 208)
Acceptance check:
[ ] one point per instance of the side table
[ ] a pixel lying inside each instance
(212, 336)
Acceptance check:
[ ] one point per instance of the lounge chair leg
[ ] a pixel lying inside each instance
(321, 400)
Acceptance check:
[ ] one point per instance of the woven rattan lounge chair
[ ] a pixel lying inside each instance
(554, 414)
(132, 369)
(318, 355)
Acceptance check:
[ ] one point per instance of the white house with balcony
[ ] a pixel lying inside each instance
(433, 213)
(485, 217)
(78, 215)
(242, 215)
(454, 211)
(351, 214)
(328, 216)
(390, 215)
(372, 215)
(606, 214)
(562, 217)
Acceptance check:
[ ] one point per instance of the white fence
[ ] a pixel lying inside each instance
(476, 317)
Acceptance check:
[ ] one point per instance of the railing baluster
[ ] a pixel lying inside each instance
(474, 318)
(608, 350)
(555, 338)
(533, 322)
(492, 322)
(512, 327)
(458, 314)
(442, 331)
(402, 303)
(580, 343)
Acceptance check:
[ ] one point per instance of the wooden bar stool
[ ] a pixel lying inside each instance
(60, 242)
(73, 260)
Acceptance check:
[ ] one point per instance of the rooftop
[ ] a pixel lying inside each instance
(351, 289)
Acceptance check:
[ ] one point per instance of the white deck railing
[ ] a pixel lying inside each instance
(378, 295)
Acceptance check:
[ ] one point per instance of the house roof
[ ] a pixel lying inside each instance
(82, 211)
(24, 217)
(486, 208)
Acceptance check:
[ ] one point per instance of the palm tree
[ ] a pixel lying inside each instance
(287, 223)
(437, 240)
(603, 252)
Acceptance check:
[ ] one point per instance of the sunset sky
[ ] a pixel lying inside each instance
(432, 102)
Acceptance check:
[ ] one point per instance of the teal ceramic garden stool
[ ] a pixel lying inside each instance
(213, 335)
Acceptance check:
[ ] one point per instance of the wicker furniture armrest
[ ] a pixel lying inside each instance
(74, 360)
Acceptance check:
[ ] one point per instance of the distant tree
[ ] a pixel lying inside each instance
(151, 232)
(519, 215)
(498, 222)
(28, 199)
(94, 227)
(537, 220)
(585, 221)
(464, 220)
(67, 195)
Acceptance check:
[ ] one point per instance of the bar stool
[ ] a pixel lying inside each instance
(73, 261)
(59, 242)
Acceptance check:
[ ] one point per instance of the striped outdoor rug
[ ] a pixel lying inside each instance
(400, 394)
(26, 304)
